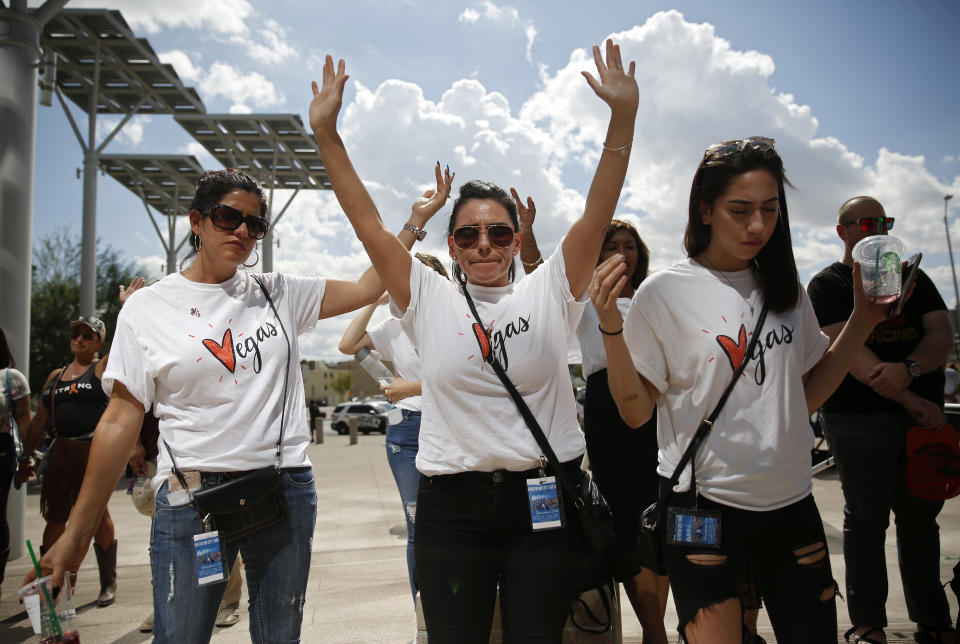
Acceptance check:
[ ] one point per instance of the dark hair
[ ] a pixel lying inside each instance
(432, 262)
(643, 253)
(212, 186)
(477, 189)
(6, 358)
(774, 265)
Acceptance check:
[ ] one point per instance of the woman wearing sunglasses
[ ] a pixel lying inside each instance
(213, 351)
(71, 404)
(473, 525)
(687, 331)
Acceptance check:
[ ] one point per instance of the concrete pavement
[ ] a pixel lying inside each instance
(358, 590)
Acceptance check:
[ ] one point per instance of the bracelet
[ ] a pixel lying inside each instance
(419, 232)
(534, 263)
(622, 149)
(610, 332)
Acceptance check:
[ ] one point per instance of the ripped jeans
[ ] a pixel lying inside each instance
(788, 552)
(276, 561)
(403, 441)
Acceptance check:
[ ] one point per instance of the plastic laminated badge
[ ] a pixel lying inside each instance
(210, 564)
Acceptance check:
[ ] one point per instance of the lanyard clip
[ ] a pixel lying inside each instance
(543, 466)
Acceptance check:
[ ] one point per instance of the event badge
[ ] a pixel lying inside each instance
(545, 511)
(210, 568)
(693, 527)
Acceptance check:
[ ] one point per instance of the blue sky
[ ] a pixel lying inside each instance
(861, 96)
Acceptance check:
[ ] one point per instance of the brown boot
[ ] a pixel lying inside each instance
(107, 563)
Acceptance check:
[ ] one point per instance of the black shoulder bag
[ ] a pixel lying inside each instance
(649, 537)
(591, 508)
(253, 501)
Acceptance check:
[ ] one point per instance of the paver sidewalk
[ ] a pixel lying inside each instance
(358, 590)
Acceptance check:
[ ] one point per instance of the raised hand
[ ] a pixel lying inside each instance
(526, 213)
(127, 291)
(432, 201)
(328, 98)
(608, 281)
(616, 87)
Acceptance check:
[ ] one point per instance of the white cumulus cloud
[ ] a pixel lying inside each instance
(695, 89)
(218, 16)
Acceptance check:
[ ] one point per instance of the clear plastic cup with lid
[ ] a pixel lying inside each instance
(879, 257)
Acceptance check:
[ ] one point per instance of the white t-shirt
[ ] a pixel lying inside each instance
(686, 336)
(592, 352)
(393, 344)
(209, 359)
(19, 388)
(469, 422)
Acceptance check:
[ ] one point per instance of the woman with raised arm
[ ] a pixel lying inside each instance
(687, 332)
(474, 529)
(391, 341)
(213, 351)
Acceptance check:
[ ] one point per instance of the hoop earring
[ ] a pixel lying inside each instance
(196, 242)
(254, 261)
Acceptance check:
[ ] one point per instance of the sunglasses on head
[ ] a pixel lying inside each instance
(87, 335)
(466, 237)
(229, 218)
(720, 150)
(871, 224)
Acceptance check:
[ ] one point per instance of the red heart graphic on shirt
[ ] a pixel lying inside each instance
(223, 352)
(736, 351)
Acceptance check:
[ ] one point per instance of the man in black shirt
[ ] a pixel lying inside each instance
(895, 383)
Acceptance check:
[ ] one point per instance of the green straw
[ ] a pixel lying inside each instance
(43, 587)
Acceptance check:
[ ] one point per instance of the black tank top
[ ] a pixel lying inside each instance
(78, 405)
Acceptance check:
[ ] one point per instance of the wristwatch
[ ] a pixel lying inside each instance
(419, 232)
(913, 368)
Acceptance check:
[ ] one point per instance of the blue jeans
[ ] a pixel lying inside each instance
(277, 561)
(403, 441)
(871, 457)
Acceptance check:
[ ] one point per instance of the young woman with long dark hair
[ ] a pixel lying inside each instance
(685, 334)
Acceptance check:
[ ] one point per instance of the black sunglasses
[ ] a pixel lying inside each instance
(718, 151)
(229, 218)
(466, 237)
(87, 335)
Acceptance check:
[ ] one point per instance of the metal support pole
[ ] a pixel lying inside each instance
(956, 291)
(266, 248)
(91, 163)
(19, 57)
(172, 227)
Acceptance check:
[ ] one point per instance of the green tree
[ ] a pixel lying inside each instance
(342, 383)
(55, 298)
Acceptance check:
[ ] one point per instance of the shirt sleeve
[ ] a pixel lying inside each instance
(572, 306)
(383, 336)
(306, 297)
(927, 295)
(646, 348)
(128, 363)
(19, 387)
(815, 341)
(832, 299)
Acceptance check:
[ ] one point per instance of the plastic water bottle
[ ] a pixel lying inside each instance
(377, 370)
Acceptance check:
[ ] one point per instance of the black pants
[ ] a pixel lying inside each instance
(8, 468)
(472, 533)
(787, 551)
